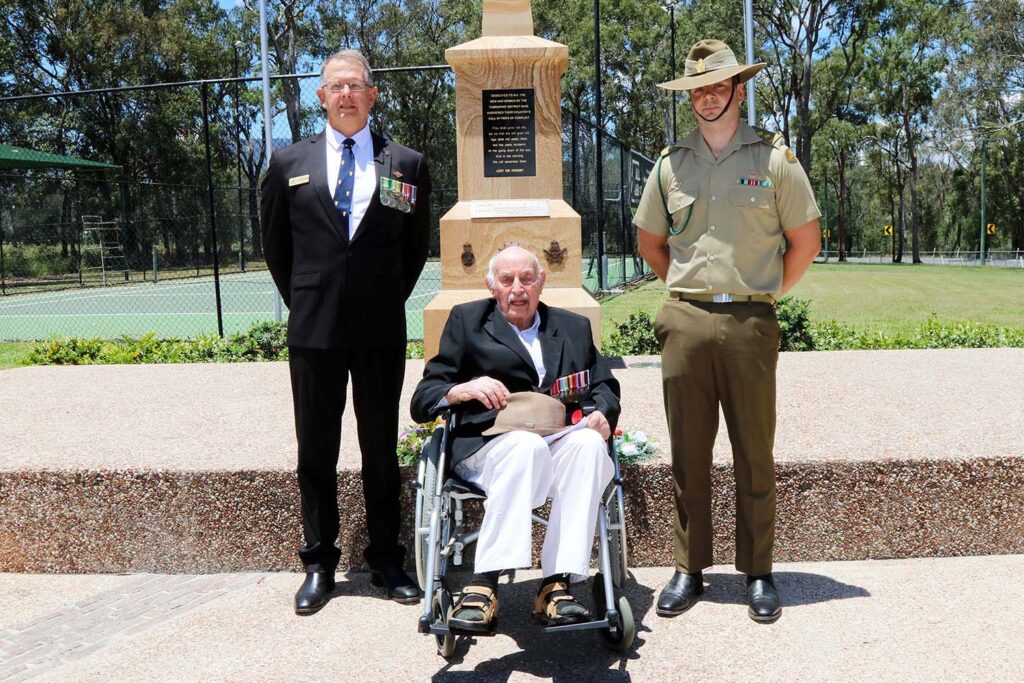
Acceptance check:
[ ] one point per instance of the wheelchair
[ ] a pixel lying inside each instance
(441, 540)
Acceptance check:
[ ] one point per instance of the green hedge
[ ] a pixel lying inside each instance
(632, 337)
(265, 341)
(635, 335)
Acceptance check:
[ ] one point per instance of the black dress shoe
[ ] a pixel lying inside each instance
(314, 593)
(680, 594)
(400, 587)
(765, 606)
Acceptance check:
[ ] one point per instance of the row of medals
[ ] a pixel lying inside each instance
(397, 195)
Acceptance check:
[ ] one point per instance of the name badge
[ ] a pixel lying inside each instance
(298, 180)
(398, 195)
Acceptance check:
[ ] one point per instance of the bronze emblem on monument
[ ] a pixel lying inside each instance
(555, 254)
(467, 255)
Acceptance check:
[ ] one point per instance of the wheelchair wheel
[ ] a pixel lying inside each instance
(617, 550)
(441, 609)
(430, 458)
(620, 637)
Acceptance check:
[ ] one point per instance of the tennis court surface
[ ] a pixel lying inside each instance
(188, 307)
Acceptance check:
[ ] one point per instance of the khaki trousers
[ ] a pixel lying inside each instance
(721, 354)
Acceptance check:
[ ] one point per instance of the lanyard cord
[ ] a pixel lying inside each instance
(668, 216)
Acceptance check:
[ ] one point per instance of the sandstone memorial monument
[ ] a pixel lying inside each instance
(509, 136)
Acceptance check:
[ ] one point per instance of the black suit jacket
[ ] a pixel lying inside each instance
(340, 291)
(478, 341)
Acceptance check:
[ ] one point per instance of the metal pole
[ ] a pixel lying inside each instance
(748, 33)
(624, 210)
(156, 272)
(824, 216)
(599, 166)
(268, 130)
(238, 167)
(981, 253)
(672, 62)
(3, 275)
(213, 217)
(123, 190)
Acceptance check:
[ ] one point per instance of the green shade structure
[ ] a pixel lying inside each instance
(20, 157)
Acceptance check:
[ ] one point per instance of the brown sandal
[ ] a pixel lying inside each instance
(476, 609)
(555, 606)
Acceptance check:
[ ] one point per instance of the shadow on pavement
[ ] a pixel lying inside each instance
(795, 588)
(573, 656)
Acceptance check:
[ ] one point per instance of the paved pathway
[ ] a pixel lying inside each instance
(888, 620)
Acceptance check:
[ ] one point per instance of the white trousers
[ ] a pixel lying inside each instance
(519, 471)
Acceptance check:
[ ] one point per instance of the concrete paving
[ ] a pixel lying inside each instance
(887, 620)
(832, 406)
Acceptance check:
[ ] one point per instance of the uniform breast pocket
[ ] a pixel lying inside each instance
(680, 204)
(750, 197)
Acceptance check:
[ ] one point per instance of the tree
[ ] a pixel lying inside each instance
(797, 33)
(906, 56)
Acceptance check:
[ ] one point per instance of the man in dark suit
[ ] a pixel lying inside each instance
(511, 345)
(345, 225)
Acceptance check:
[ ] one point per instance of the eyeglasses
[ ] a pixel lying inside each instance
(338, 88)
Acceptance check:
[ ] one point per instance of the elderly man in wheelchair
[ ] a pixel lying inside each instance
(502, 366)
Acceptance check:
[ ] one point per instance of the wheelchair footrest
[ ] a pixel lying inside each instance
(585, 626)
(440, 629)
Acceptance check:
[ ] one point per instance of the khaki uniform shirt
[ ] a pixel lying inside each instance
(727, 214)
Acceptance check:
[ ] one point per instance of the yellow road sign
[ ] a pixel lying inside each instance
(827, 233)
(888, 230)
(990, 229)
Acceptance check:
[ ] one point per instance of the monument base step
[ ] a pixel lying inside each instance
(231, 521)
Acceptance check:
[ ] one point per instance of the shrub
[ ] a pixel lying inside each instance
(410, 442)
(634, 336)
(264, 341)
(794, 324)
(414, 349)
(66, 351)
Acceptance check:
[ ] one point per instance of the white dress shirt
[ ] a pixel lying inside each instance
(366, 174)
(532, 344)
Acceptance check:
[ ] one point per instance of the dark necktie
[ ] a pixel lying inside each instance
(346, 182)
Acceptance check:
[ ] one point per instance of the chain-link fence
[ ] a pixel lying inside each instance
(168, 240)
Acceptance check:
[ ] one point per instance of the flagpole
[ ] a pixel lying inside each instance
(748, 32)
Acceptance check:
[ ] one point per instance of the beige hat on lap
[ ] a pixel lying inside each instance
(529, 411)
(711, 61)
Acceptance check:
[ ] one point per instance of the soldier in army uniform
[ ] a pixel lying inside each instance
(728, 221)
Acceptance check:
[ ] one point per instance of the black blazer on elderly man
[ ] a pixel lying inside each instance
(346, 300)
(477, 341)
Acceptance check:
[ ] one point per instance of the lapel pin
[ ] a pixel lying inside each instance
(398, 174)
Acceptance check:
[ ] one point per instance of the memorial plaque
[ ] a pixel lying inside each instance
(510, 137)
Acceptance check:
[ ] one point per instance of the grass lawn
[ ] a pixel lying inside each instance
(887, 297)
(12, 353)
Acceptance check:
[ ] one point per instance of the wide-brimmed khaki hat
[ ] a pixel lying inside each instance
(529, 411)
(711, 61)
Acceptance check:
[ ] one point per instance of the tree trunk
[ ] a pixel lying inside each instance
(803, 102)
(841, 237)
(915, 214)
(898, 230)
(1017, 236)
